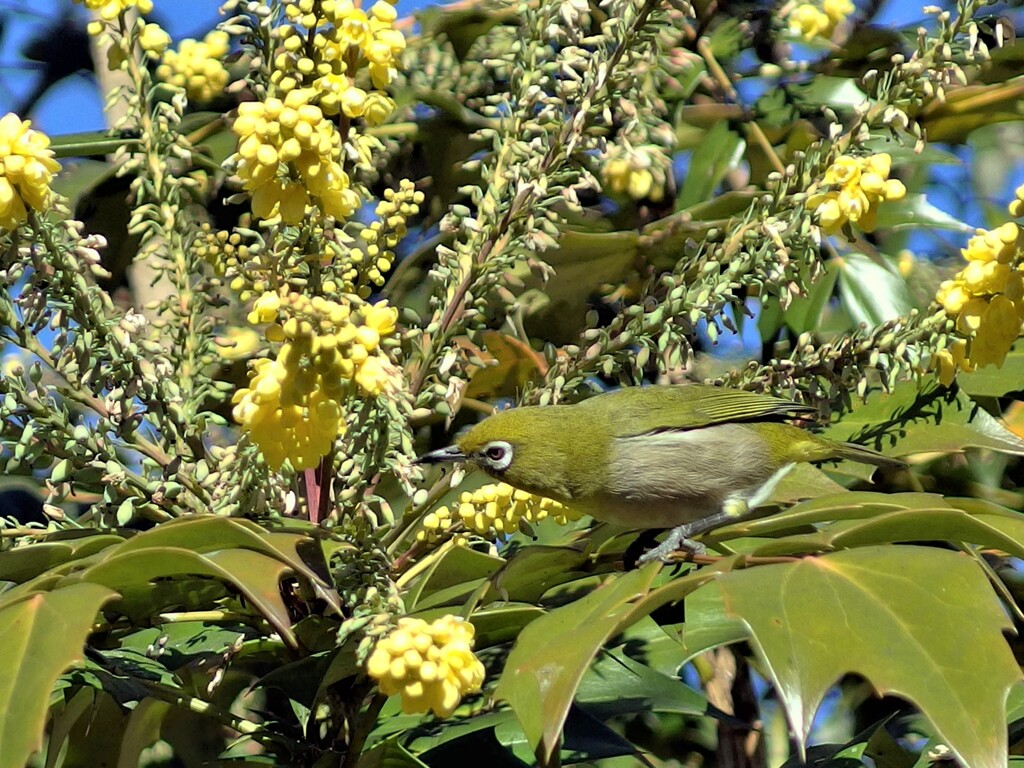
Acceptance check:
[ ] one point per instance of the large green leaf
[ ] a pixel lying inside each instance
(917, 622)
(41, 635)
(906, 421)
(552, 654)
(871, 292)
(996, 382)
(257, 577)
(915, 210)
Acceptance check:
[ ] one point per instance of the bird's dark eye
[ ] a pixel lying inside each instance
(495, 453)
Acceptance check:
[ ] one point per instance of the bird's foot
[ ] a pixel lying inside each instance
(677, 539)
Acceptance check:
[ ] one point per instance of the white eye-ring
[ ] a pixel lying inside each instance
(497, 455)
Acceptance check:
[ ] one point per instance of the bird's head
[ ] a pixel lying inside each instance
(542, 450)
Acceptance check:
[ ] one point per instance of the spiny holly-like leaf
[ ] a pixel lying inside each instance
(918, 622)
(552, 653)
(256, 576)
(41, 635)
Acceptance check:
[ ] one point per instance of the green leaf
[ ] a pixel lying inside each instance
(803, 315)
(533, 570)
(875, 612)
(931, 420)
(836, 92)
(617, 684)
(256, 576)
(41, 635)
(455, 570)
(915, 211)
(209, 533)
(389, 754)
(25, 563)
(718, 153)
(142, 731)
(871, 292)
(996, 382)
(552, 654)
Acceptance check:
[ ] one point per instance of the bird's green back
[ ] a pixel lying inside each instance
(639, 410)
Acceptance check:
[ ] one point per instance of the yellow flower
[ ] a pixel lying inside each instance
(986, 299)
(153, 39)
(431, 666)
(999, 244)
(1017, 204)
(863, 184)
(111, 9)
(197, 66)
(377, 107)
(810, 20)
(26, 170)
(493, 510)
(287, 154)
(997, 327)
(292, 407)
(635, 173)
(838, 10)
(948, 362)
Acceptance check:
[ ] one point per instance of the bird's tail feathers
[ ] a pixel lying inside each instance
(855, 452)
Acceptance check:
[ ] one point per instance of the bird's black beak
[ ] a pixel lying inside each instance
(451, 453)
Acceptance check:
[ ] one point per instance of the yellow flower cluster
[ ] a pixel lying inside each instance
(863, 183)
(293, 404)
(197, 66)
(630, 172)
(153, 39)
(26, 170)
(810, 20)
(494, 509)
(288, 151)
(367, 266)
(1017, 204)
(986, 298)
(111, 9)
(343, 39)
(432, 666)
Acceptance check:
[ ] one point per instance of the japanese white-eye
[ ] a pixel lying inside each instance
(684, 457)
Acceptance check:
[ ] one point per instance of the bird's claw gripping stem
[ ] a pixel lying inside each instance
(735, 508)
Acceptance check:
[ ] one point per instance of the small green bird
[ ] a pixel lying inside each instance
(690, 458)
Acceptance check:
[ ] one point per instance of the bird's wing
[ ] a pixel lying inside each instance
(636, 411)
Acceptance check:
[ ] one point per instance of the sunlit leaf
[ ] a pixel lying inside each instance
(875, 612)
(40, 636)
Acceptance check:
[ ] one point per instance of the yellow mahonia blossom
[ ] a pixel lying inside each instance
(197, 66)
(367, 265)
(292, 407)
(26, 170)
(493, 510)
(153, 39)
(634, 173)
(342, 40)
(288, 152)
(859, 185)
(1017, 204)
(986, 298)
(810, 20)
(431, 666)
(111, 9)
